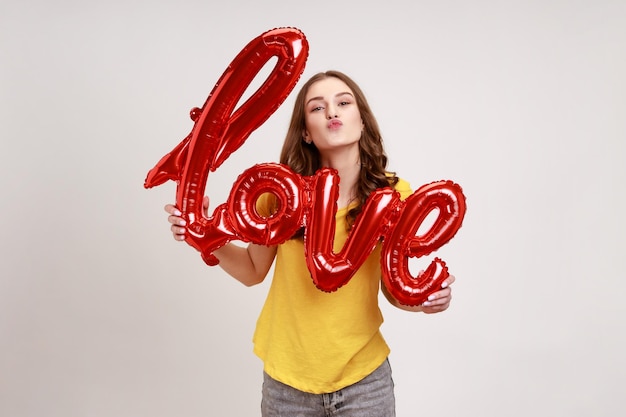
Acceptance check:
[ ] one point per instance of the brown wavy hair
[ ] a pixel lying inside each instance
(304, 158)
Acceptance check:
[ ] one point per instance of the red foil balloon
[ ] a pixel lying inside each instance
(285, 185)
(384, 216)
(218, 131)
(331, 270)
(403, 242)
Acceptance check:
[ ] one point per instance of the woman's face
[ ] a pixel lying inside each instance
(331, 115)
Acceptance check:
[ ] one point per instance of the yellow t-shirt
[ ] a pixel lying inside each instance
(316, 341)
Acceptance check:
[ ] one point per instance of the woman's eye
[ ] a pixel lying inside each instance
(318, 108)
(344, 103)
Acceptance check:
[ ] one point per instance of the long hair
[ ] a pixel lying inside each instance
(304, 158)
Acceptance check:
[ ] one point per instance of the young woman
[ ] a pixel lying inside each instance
(323, 353)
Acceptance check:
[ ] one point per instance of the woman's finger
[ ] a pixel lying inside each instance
(175, 220)
(205, 205)
(439, 298)
(171, 209)
(449, 281)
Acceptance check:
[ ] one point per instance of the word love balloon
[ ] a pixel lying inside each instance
(308, 202)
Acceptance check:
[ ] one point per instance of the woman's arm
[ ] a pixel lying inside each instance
(248, 265)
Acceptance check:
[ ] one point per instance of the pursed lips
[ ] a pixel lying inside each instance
(334, 124)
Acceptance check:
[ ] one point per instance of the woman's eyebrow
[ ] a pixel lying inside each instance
(343, 93)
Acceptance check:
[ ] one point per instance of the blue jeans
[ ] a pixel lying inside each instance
(373, 396)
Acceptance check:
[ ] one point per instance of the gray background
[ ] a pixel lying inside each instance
(102, 313)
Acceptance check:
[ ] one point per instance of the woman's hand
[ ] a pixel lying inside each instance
(178, 224)
(249, 265)
(436, 303)
(440, 300)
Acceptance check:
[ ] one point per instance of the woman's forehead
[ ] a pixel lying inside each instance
(330, 86)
